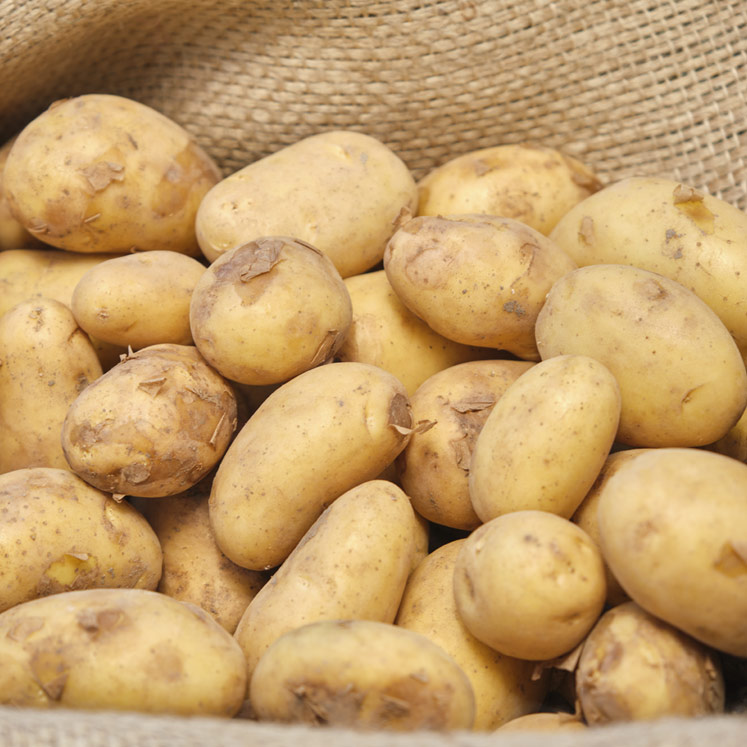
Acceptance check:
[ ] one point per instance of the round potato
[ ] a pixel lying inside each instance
(268, 310)
(340, 191)
(475, 279)
(103, 173)
(138, 300)
(681, 376)
(529, 183)
(154, 425)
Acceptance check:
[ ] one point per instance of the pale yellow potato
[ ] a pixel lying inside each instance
(60, 534)
(475, 279)
(47, 361)
(12, 234)
(634, 667)
(673, 529)
(545, 440)
(681, 376)
(119, 649)
(529, 183)
(152, 426)
(361, 674)
(544, 722)
(103, 173)
(315, 437)
(529, 584)
(352, 564)
(139, 299)
(268, 310)
(504, 687)
(670, 228)
(435, 465)
(340, 191)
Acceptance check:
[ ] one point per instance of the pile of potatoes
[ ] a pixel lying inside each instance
(315, 442)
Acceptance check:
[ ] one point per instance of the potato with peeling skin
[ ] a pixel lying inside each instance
(119, 649)
(268, 310)
(154, 425)
(315, 437)
(103, 173)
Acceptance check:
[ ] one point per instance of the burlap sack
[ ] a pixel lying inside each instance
(628, 86)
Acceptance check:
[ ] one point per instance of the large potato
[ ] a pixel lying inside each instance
(154, 425)
(119, 649)
(681, 376)
(315, 437)
(60, 534)
(340, 191)
(102, 173)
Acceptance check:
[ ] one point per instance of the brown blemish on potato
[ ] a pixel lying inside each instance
(136, 473)
(24, 628)
(651, 290)
(99, 622)
(514, 307)
(404, 215)
(318, 703)
(732, 560)
(470, 415)
(327, 347)
(100, 175)
(50, 671)
(400, 415)
(583, 178)
(692, 203)
(586, 231)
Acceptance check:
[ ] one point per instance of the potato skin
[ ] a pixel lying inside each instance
(47, 361)
(361, 674)
(119, 649)
(68, 536)
(315, 437)
(154, 425)
(681, 376)
(672, 526)
(103, 173)
(12, 234)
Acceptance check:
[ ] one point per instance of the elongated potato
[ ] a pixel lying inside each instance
(361, 674)
(315, 437)
(119, 649)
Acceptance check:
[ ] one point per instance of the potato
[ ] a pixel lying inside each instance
(119, 649)
(154, 425)
(60, 534)
(634, 667)
(546, 439)
(546, 721)
(315, 437)
(12, 234)
(340, 191)
(681, 377)
(361, 674)
(352, 563)
(268, 310)
(529, 183)
(673, 529)
(385, 333)
(435, 465)
(116, 299)
(46, 361)
(504, 687)
(672, 229)
(102, 173)
(529, 584)
(475, 279)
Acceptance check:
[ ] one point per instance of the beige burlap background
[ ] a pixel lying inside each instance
(627, 86)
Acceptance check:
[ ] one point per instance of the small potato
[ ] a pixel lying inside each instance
(12, 234)
(529, 584)
(528, 183)
(435, 465)
(102, 173)
(361, 674)
(154, 425)
(66, 535)
(340, 191)
(46, 361)
(475, 279)
(546, 439)
(634, 667)
(268, 310)
(681, 376)
(673, 529)
(119, 649)
(138, 300)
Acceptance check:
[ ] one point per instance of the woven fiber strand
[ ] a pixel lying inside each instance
(628, 86)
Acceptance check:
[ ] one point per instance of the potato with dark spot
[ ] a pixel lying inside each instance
(268, 310)
(154, 425)
(119, 650)
(103, 173)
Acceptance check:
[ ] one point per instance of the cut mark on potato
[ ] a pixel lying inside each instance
(692, 203)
